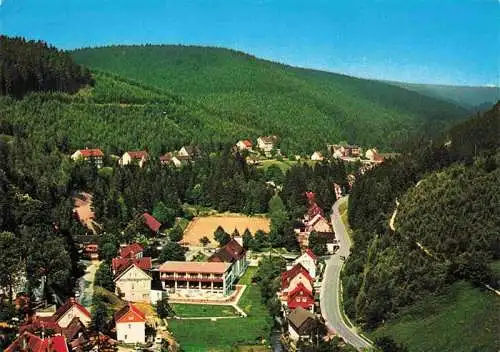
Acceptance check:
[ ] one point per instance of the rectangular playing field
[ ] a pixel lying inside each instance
(206, 226)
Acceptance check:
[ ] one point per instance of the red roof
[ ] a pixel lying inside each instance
(39, 323)
(32, 343)
(120, 264)
(310, 253)
(247, 143)
(153, 224)
(91, 152)
(131, 250)
(67, 306)
(230, 253)
(129, 313)
(300, 297)
(287, 276)
(138, 154)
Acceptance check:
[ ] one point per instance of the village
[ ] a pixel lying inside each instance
(217, 271)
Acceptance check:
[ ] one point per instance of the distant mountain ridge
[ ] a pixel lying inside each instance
(306, 108)
(480, 98)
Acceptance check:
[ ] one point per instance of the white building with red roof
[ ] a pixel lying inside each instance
(132, 283)
(69, 310)
(130, 325)
(244, 144)
(133, 250)
(134, 157)
(90, 155)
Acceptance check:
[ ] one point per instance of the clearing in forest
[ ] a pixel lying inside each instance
(206, 226)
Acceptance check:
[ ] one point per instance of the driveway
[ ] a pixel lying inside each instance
(330, 292)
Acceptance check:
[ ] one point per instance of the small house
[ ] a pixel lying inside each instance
(300, 296)
(151, 223)
(317, 156)
(134, 157)
(133, 250)
(308, 260)
(244, 144)
(232, 253)
(130, 325)
(301, 324)
(266, 143)
(94, 156)
(69, 310)
(189, 151)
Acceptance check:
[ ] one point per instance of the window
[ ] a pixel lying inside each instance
(304, 299)
(125, 337)
(130, 326)
(298, 299)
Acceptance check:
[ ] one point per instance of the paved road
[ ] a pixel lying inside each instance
(330, 288)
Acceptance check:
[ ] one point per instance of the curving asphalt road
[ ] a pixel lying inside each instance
(330, 288)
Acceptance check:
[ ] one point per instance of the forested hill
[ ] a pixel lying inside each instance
(27, 66)
(469, 97)
(298, 105)
(445, 230)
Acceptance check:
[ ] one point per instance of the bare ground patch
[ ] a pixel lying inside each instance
(206, 226)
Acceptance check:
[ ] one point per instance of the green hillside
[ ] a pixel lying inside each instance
(465, 96)
(117, 115)
(306, 108)
(407, 280)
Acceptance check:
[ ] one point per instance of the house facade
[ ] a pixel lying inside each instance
(308, 260)
(29, 342)
(302, 297)
(244, 144)
(94, 156)
(69, 310)
(301, 324)
(130, 325)
(190, 151)
(317, 156)
(234, 254)
(133, 284)
(266, 143)
(291, 278)
(134, 157)
(214, 277)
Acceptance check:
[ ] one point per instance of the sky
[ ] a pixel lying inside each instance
(423, 41)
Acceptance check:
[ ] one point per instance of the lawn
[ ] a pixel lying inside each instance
(224, 334)
(203, 310)
(464, 319)
(246, 279)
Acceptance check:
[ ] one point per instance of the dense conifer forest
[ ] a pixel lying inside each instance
(305, 108)
(446, 226)
(34, 66)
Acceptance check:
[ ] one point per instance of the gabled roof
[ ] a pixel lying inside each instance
(310, 253)
(246, 143)
(166, 157)
(32, 343)
(288, 275)
(73, 328)
(67, 306)
(38, 323)
(268, 139)
(153, 224)
(138, 154)
(129, 313)
(298, 289)
(91, 152)
(120, 264)
(124, 269)
(131, 250)
(229, 253)
(298, 318)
